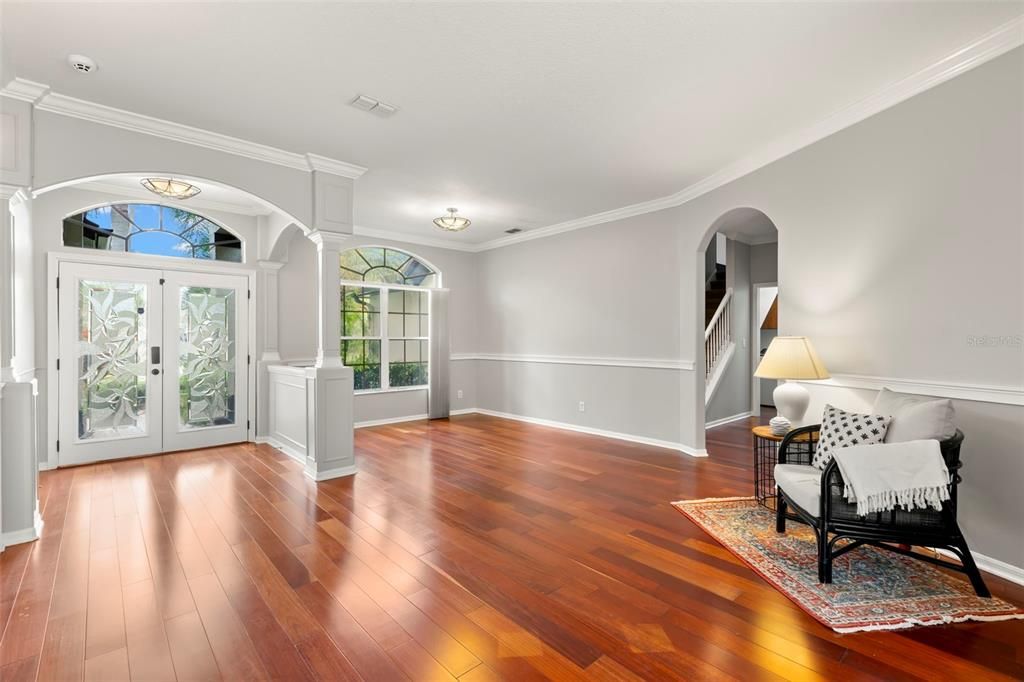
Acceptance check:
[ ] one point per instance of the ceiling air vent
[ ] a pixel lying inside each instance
(374, 106)
(514, 230)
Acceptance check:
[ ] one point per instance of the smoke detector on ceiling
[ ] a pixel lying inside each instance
(81, 63)
(374, 106)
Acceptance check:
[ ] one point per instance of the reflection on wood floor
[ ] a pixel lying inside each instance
(475, 548)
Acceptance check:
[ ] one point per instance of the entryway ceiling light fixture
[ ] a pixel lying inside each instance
(171, 188)
(452, 222)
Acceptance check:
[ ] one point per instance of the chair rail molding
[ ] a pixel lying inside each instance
(644, 363)
(1005, 395)
(45, 99)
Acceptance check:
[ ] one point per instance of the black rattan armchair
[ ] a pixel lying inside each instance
(836, 519)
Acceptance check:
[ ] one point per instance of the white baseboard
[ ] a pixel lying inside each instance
(725, 420)
(465, 410)
(17, 537)
(1014, 574)
(331, 473)
(693, 452)
(286, 449)
(391, 420)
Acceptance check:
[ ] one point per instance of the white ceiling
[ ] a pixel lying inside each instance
(521, 115)
(212, 196)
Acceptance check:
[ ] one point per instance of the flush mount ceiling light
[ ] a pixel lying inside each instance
(171, 188)
(452, 222)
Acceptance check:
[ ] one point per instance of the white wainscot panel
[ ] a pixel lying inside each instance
(288, 410)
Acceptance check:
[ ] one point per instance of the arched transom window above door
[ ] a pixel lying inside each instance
(383, 265)
(151, 229)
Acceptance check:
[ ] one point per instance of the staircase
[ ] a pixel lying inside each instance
(718, 344)
(714, 292)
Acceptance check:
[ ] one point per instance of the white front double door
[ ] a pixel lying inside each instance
(150, 361)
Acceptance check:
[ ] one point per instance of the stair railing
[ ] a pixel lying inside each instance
(718, 334)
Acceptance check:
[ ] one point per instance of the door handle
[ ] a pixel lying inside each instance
(154, 355)
(155, 372)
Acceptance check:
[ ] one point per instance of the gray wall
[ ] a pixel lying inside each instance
(609, 292)
(764, 263)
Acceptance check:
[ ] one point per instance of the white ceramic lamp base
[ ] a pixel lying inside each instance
(791, 401)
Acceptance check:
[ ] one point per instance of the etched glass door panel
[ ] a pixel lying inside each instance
(109, 377)
(206, 356)
(206, 384)
(111, 359)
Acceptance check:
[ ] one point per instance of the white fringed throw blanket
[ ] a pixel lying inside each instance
(879, 477)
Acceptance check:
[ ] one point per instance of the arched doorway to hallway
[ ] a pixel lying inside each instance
(737, 301)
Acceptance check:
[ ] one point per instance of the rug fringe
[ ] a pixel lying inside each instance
(913, 622)
(714, 499)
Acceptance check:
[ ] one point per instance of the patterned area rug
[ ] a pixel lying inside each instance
(872, 589)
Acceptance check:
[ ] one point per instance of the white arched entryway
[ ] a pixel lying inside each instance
(745, 228)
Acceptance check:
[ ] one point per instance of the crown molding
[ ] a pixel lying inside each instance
(25, 90)
(9, 191)
(194, 202)
(56, 103)
(407, 238)
(333, 166)
(985, 48)
(324, 239)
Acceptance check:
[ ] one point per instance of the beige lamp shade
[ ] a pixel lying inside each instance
(791, 357)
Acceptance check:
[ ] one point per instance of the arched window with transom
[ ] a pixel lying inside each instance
(385, 317)
(152, 229)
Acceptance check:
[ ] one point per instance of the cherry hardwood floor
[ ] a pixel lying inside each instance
(475, 548)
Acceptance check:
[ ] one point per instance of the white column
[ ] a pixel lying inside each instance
(267, 324)
(19, 465)
(267, 313)
(329, 385)
(328, 294)
(7, 193)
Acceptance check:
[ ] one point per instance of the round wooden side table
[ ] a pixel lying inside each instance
(766, 456)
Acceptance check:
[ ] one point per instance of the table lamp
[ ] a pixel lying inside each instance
(790, 357)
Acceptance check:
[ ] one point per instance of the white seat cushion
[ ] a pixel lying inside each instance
(802, 484)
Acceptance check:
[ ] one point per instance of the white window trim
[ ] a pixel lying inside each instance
(385, 351)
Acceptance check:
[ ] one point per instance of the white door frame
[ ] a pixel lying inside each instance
(755, 345)
(53, 261)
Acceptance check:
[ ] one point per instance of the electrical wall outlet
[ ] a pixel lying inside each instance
(459, 394)
(583, 406)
